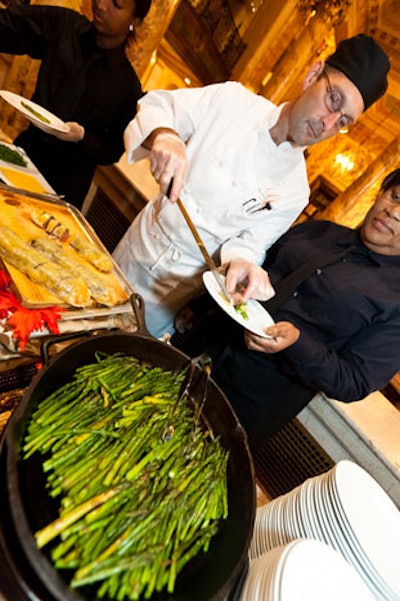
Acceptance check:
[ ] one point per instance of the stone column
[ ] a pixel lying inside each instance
(317, 39)
(298, 57)
(150, 33)
(350, 207)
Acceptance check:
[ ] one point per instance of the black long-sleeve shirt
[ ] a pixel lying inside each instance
(77, 81)
(348, 313)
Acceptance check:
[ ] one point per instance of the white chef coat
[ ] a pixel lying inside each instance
(235, 172)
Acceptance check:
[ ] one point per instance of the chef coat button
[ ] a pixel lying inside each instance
(318, 271)
(176, 255)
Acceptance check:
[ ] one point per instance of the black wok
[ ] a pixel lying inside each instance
(209, 576)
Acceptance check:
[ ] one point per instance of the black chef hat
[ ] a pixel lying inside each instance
(364, 62)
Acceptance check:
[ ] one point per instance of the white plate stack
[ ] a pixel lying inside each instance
(303, 570)
(347, 510)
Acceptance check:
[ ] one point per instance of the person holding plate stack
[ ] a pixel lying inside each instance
(85, 79)
(237, 162)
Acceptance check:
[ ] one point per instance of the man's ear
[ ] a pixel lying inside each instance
(313, 74)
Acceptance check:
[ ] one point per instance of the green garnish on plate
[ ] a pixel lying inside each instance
(242, 310)
(11, 156)
(35, 112)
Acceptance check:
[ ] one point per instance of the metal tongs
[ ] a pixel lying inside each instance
(188, 390)
(207, 257)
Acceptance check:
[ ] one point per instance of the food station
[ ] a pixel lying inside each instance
(67, 307)
(253, 553)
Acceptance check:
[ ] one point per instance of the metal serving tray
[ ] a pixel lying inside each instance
(15, 204)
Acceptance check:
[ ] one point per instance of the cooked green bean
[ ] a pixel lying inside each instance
(35, 112)
(134, 508)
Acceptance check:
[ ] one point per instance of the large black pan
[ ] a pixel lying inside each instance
(208, 577)
(17, 580)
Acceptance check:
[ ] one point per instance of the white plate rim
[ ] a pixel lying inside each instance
(15, 100)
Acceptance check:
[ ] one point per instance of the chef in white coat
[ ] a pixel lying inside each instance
(237, 162)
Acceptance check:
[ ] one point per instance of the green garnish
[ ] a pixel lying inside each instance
(34, 112)
(242, 310)
(11, 156)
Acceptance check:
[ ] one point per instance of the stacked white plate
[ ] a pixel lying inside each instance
(349, 511)
(303, 570)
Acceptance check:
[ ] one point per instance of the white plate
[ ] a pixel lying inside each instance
(24, 105)
(258, 318)
(312, 570)
(372, 520)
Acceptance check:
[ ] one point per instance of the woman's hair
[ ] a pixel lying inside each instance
(142, 7)
(391, 180)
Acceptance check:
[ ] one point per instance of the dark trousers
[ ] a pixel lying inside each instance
(262, 395)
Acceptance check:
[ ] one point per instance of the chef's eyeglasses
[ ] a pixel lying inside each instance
(334, 103)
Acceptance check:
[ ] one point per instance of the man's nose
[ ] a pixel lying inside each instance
(330, 120)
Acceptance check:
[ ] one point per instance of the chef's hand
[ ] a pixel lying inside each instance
(168, 161)
(75, 133)
(245, 280)
(283, 334)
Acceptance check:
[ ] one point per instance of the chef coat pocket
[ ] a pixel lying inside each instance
(168, 257)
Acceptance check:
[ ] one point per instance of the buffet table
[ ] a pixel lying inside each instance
(19, 572)
(20, 179)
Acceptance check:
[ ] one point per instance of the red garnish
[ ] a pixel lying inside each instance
(24, 321)
(50, 317)
(8, 303)
(5, 280)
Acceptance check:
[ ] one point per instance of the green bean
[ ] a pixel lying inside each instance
(134, 508)
(52, 530)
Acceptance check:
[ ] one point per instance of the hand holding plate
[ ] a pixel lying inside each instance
(279, 336)
(75, 133)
